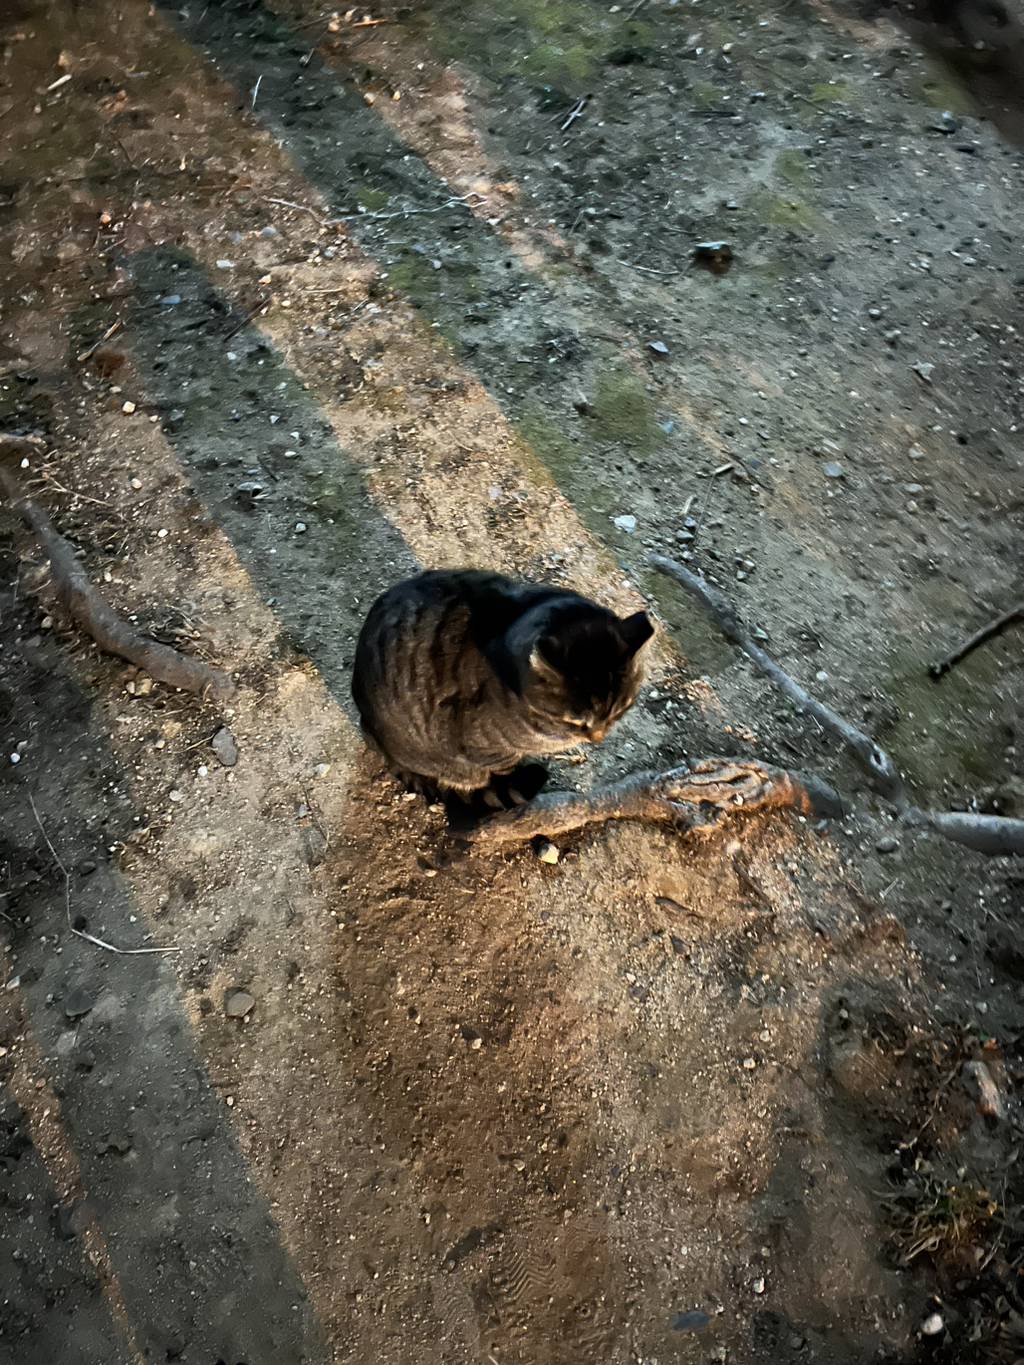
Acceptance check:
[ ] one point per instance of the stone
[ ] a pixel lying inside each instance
(78, 1002)
(238, 1004)
(548, 853)
(625, 523)
(888, 844)
(224, 747)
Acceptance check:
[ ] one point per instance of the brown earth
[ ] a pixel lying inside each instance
(661, 1101)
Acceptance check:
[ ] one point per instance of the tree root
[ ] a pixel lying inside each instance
(695, 797)
(91, 611)
(994, 834)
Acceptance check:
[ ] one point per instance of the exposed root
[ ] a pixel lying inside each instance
(693, 797)
(994, 834)
(91, 611)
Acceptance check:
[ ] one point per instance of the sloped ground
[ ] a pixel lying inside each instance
(658, 1102)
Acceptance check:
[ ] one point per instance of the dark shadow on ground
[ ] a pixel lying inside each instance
(199, 1260)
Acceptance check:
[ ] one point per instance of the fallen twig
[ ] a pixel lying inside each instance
(91, 611)
(993, 628)
(876, 761)
(694, 797)
(82, 933)
(469, 201)
(574, 113)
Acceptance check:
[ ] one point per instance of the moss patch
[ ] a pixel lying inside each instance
(623, 411)
(785, 211)
(559, 42)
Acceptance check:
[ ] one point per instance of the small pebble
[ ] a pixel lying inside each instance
(749, 1064)
(758, 1286)
(15, 758)
(238, 1004)
(625, 523)
(913, 489)
(548, 853)
(932, 1325)
(224, 264)
(171, 300)
(832, 470)
(175, 795)
(658, 347)
(78, 1002)
(300, 527)
(889, 844)
(225, 747)
(128, 407)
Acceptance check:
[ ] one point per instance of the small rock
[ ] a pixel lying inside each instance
(749, 1064)
(625, 523)
(658, 347)
(238, 1004)
(175, 795)
(888, 844)
(758, 1286)
(78, 1002)
(548, 853)
(171, 300)
(832, 470)
(224, 747)
(717, 256)
(924, 370)
(945, 123)
(932, 1325)
(300, 527)
(891, 336)
(128, 407)
(913, 489)
(875, 313)
(224, 264)
(268, 231)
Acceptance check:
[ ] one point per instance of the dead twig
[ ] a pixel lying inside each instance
(694, 797)
(82, 933)
(876, 761)
(90, 610)
(574, 113)
(988, 632)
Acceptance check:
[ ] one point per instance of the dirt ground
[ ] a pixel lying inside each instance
(299, 301)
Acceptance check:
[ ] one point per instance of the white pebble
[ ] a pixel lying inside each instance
(162, 533)
(548, 853)
(749, 1064)
(128, 407)
(224, 264)
(15, 758)
(300, 526)
(202, 770)
(176, 795)
(932, 1325)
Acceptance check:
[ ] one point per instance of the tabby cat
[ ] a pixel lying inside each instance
(460, 675)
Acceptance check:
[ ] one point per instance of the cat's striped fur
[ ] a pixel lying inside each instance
(461, 675)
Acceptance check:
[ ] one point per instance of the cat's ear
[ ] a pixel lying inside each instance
(636, 631)
(542, 659)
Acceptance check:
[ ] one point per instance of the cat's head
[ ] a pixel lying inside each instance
(585, 670)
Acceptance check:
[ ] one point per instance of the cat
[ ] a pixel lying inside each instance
(461, 675)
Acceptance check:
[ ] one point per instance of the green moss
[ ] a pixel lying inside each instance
(942, 88)
(833, 92)
(559, 42)
(416, 278)
(549, 452)
(791, 166)
(942, 730)
(786, 212)
(371, 200)
(623, 411)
